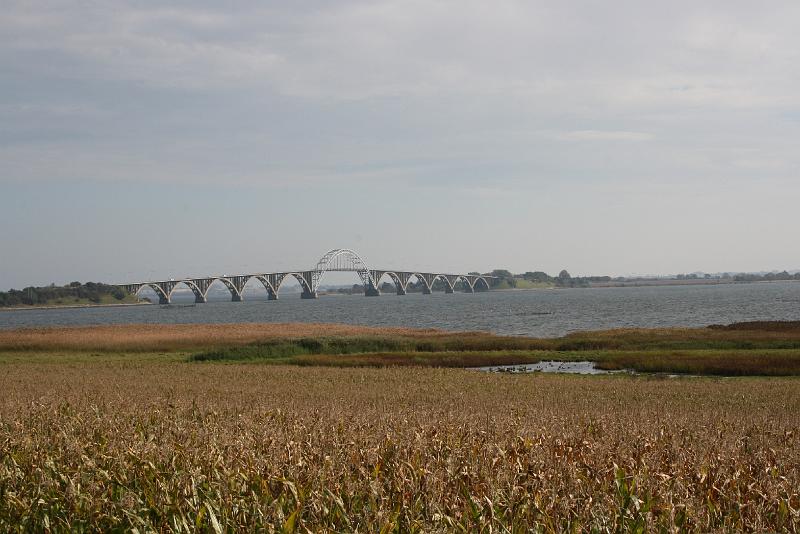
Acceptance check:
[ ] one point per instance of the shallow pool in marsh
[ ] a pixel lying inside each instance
(580, 368)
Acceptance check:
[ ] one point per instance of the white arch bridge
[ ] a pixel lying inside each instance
(337, 260)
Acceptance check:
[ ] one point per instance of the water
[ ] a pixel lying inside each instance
(541, 313)
(577, 368)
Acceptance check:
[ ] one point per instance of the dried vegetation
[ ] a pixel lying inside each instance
(171, 337)
(181, 447)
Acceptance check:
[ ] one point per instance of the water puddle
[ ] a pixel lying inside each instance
(581, 368)
(578, 368)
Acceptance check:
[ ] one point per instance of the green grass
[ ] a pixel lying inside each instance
(283, 349)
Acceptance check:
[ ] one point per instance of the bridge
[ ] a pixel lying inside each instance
(337, 260)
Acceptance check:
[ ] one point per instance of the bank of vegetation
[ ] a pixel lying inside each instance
(762, 350)
(73, 294)
(742, 349)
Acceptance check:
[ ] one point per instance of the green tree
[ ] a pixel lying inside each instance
(503, 275)
(564, 279)
(118, 293)
(537, 276)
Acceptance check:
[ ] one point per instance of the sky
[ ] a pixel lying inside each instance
(152, 140)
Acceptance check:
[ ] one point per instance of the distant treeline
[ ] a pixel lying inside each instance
(76, 291)
(564, 279)
(745, 277)
(505, 279)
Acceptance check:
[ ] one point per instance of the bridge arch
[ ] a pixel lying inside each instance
(426, 287)
(199, 294)
(304, 285)
(468, 287)
(448, 287)
(272, 293)
(236, 295)
(342, 259)
(400, 287)
(163, 297)
(481, 280)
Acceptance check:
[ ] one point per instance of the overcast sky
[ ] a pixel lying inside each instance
(143, 141)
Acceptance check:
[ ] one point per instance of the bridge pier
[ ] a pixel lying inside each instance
(236, 297)
(163, 300)
(426, 290)
(401, 291)
(468, 288)
(448, 289)
(271, 295)
(306, 294)
(371, 291)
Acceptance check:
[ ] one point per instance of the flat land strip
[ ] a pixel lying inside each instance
(309, 428)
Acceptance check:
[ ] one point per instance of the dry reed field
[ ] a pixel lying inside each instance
(160, 337)
(169, 337)
(177, 447)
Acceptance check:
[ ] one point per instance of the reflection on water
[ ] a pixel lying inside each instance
(541, 313)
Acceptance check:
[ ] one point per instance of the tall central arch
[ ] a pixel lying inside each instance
(344, 259)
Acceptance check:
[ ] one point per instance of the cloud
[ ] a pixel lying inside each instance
(354, 49)
(600, 135)
(426, 92)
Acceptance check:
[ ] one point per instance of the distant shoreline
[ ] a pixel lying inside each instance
(671, 282)
(71, 306)
(647, 283)
(668, 282)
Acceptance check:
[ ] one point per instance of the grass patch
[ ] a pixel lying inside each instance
(454, 359)
(282, 349)
(719, 363)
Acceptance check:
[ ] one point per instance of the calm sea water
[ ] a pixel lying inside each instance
(530, 313)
